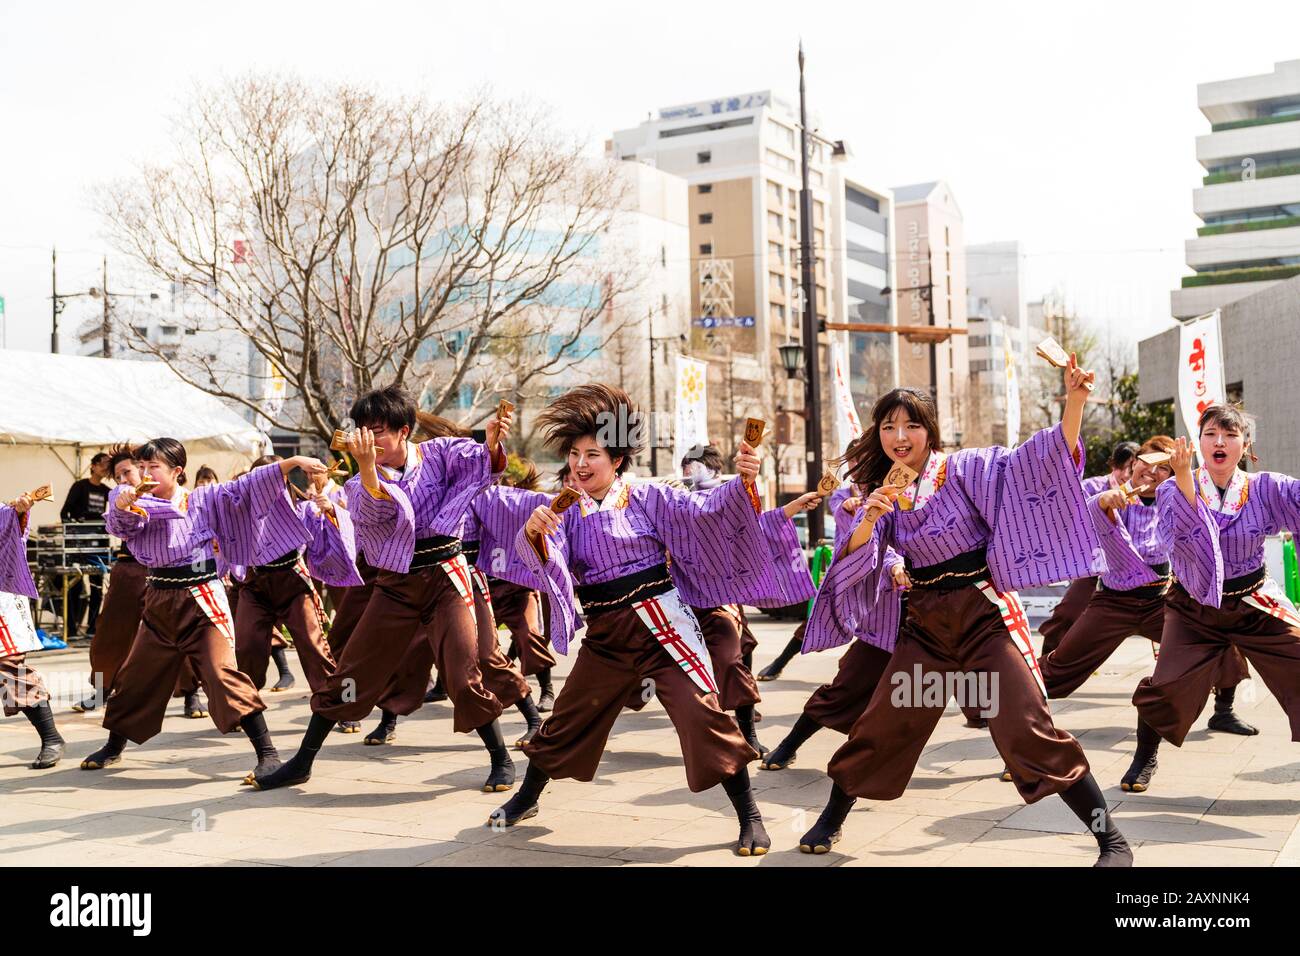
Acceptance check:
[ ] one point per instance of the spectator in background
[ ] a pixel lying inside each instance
(205, 476)
(86, 501)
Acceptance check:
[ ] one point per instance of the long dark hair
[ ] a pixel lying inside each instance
(164, 449)
(867, 461)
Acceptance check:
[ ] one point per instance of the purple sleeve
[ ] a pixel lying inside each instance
(791, 578)
(715, 537)
(502, 512)
(15, 575)
(331, 553)
(1281, 496)
(252, 517)
(556, 582)
(1041, 530)
(124, 524)
(462, 468)
(844, 522)
(384, 525)
(857, 599)
(1124, 566)
(891, 560)
(1192, 537)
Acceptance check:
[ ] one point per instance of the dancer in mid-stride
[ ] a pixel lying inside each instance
(21, 688)
(609, 550)
(972, 527)
(1215, 519)
(1080, 590)
(176, 534)
(408, 504)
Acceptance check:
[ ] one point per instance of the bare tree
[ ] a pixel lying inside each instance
(357, 239)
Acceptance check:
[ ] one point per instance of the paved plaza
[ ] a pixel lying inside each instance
(1219, 801)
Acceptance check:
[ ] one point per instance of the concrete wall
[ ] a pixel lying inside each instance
(1262, 353)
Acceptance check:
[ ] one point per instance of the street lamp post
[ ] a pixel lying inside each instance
(811, 337)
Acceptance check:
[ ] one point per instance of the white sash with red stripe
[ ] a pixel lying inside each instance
(300, 568)
(1017, 624)
(677, 630)
(17, 630)
(458, 570)
(211, 598)
(481, 582)
(1270, 599)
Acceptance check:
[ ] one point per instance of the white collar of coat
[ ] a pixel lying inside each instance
(1233, 500)
(615, 497)
(926, 484)
(413, 459)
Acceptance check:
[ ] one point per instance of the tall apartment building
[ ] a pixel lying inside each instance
(740, 158)
(997, 316)
(930, 265)
(1250, 198)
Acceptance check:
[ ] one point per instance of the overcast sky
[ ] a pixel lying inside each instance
(1067, 126)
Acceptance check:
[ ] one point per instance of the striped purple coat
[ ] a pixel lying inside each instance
(15, 575)
(1025, 507)
(250, 520)
(1131, 544)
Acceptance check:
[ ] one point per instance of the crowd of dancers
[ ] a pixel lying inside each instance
(391, 587)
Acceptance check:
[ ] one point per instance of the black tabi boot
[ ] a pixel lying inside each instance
(298, 768)
(502, 776)
(349, 727)
(42, 719)
(753, 839)
(773, 670)
(745, 718)
(529, 709)
(546, 698)
(1086, 800)
(523, 804)
(282, 665)
(1138, 776)
(195, 706)
(268, 758)
(826, 832)
(436, 693)
(106, 755)
(385, 732)
(1225, 718)
(784, 754)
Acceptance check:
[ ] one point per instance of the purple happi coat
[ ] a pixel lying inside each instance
(1131, 544)
(15, 575)
(428, 498)
(717, 538)
(1223, 536)
(1025, 507)
(331, 552)
(1097, 484)
(250, 520)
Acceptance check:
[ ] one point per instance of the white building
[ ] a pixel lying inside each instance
(1250, 199)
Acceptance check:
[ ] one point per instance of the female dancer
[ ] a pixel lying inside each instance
(611, 549)
(185, 614)
(972, 527)
(21, 687)
(1080, 590)
(1215, 519)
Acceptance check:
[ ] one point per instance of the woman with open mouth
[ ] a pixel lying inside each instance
(606, 557)
(972, 526)
(1215, 519)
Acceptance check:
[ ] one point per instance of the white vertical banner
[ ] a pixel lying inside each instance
(1013, 395)
(1200, 368)
(690, 402)
(847, 424)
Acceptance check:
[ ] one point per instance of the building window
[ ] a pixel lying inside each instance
(706, 218)
(775, 222)
(704, 188)
(704, 156)
(776, 281)
(706, 248)
(776, 313)
(777, 250)
(783, 163)
(794, 228)
(774, 192)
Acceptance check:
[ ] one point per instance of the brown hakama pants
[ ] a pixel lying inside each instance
(1110, 618)
(1197, 646)
(119, 620)
(520, 610)
(955, 631)
(405, 692)
(839, 704)
(401, 605)
(175, 630)
(20, 686)
(616, 656)
(748, 642)
(722, 635)
(268, 599)
(1063, 616)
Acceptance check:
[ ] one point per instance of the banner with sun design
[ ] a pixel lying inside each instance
(691, 404)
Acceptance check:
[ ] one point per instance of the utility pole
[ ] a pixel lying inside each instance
(811, 327)
(55, 304)
(104, 331)
(654, 438)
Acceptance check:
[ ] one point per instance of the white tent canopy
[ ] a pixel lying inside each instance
(67, 407)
